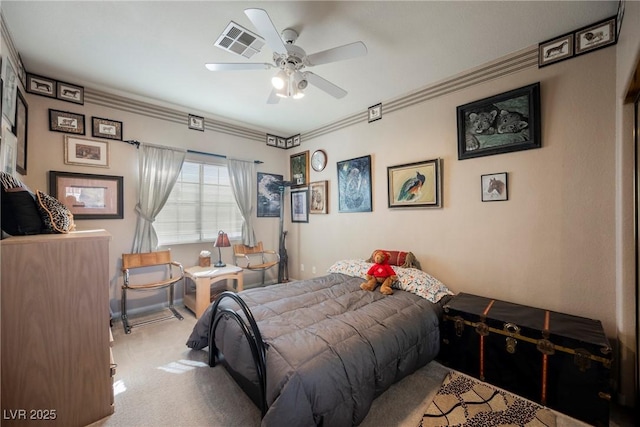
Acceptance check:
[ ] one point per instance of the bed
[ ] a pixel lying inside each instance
(319, 351)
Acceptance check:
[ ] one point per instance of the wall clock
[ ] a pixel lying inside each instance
(318, 160)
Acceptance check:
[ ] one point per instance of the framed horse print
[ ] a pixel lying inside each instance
(494, 187)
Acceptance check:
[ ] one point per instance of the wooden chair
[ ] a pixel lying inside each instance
(142, 263)
(255, 258)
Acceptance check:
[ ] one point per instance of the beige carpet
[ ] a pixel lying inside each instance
(464, 401)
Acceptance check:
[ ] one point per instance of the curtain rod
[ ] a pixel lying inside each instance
(137, 144)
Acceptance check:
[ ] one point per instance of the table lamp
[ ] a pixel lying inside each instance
(221, 242)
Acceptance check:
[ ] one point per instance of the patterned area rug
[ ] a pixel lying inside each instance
(464, 401)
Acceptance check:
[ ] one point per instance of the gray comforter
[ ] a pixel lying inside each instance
(332, 347)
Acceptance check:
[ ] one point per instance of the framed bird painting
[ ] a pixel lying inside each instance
(415, 185)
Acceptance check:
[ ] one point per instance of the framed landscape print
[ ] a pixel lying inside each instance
(88, 196)
(269, 194)
(354, 185)
(300, 204)
(299, 168)
(64, 121)
(86, 152)
(500, 124)
(415, 185)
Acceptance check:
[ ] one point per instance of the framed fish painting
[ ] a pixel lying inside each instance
(415, 185)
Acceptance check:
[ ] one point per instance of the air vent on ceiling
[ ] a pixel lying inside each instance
(239, 40)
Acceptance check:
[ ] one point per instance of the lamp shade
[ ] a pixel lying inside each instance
(222, 241)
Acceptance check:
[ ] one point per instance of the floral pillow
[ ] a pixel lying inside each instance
(409, 279)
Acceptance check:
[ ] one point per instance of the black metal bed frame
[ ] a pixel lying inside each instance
(254, 339)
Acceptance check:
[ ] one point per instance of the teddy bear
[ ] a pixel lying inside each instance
(380, 273)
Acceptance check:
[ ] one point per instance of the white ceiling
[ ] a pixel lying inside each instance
(157, 49)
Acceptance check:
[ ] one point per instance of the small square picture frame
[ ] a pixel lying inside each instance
(106, 128)
(40, 85)
(85, 152)
(70, 93)
(289, 142)
(196, 122)
(282, 142)
(296, 140)
(494, 187)
(555, 50)
(375, 112)
(596, 36)
(271, 140)
(66, 121)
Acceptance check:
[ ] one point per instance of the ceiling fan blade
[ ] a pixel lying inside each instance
(325, 85)
(348, 51)
(273, 97)
(238, 66)
(266, 29)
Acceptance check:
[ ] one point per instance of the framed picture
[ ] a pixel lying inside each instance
(8, 151)
(354, 185)
(88, 196)
(415, 185)
(70, 93)
(271, 140)
(596, 36)
(106, 128)
(196, 122)
(9, 90)
(86, 152)
(289, 142)
(319, 203)
(555, 50)
(500, 124)
(269, 194)
(281, 142)
(41, 85)
(20, 130)
(300, 204)
(494, 187)
(299, 168)
(296, 140)
(375, 113)
(64, 121)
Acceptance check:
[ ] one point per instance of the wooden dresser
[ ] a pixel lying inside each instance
(55, 329)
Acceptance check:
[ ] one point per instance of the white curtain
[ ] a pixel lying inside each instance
(158, 170)
(242, 175)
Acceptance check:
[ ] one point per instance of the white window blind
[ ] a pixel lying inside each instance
(201, 203)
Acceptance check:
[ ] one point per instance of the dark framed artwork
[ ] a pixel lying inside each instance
(300, 204)
(269, 195)
(88, 196)
(415, 185)
(296, 140)
(39, 85)
(494, 187)
(281, 142)
(596, 36)
(375, 112)
(318, 192)
(299, 168)
(70, 93)
(106, 128)
(555, 50)
(196, 122)
(65, 121)
(500, 124)
(271, 140)
(20, 130)
(354, 185)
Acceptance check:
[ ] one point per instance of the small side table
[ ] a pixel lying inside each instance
(204, 277)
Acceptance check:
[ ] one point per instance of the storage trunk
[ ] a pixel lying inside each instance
(558, 360)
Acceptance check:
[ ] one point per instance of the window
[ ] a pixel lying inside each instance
(201, 203)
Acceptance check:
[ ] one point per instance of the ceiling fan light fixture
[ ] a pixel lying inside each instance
(280, 80)
(282, 92)
(299, 81)
(297, 94)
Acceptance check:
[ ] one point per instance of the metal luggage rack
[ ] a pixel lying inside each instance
(253, 336)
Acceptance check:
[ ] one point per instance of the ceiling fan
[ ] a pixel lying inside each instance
(291, 60)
